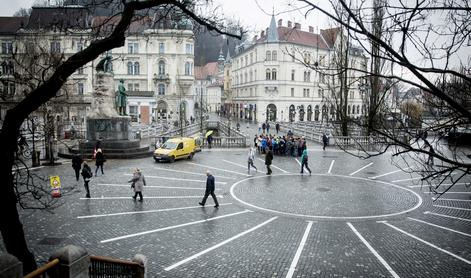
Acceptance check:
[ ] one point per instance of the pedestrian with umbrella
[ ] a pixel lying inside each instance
(209, 137)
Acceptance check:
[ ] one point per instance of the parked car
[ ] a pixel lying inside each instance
(176, 148)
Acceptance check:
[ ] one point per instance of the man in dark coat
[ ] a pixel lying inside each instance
(87, 176)
(277, 127)
(268, 160)
(77, 165)
(209, 190)
(99, 161)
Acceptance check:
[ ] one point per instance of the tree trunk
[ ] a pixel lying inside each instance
(11, 227)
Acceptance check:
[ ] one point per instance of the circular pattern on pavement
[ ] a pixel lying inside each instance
(325, 196)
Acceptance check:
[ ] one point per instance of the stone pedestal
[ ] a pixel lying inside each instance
(73, 262)
(109, 129)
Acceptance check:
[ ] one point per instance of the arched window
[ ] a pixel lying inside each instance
(273, 74)
(161, 89)
(268, 74)
(268, 58)
(273, 55)
(130, 68)
(316, 113)
(161, 67)
(136, 68)
(187, 68)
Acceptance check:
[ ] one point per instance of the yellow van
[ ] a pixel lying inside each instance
(175, 148)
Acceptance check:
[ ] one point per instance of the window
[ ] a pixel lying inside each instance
(352, 94)
(136, 68)
(307, 92)
(292, 92)
(251, 76)
(349, 110)
(358, 109)
(273, 55)
(79, 45)
(7, 88)
(246, 60)
(161, 89)
(55, 47)
(245, 78)
(273, 74)
(188, 68)
(237, 80)
(268, 58)
(7, 47)
(189, 48)
(320, 93)
(251, 58)
(307, 76)
(322, 77)
(133, 47)
(255, 75)
(322, 60)
(8, 68)
(161, 67)
(80, 88)
(133, 87)
(268, 74)
(292, 74)
(130, 68)
(161, 47)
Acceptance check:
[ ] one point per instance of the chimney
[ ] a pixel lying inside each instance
(311, 29)
(280, 21)
(289, 24)
(297, 26)
(262, 34)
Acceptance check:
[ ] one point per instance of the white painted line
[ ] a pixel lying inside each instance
(146, 197)
(426, 242)
(419, 199)
(411, 179)
(156, 186)
(210, 167)
(372, 250)
(219, 245)
(444, 184)
(441, 227)
(192, 173)
(362, 168)
(274, 166)
(447, 216)
(173, 227)
(298, 161)
(292, 267)
(23, 167)
(330, 168)
(142, 211)
(445, 199)
(175, 179)
(438, 206)
(236, 164)
(390, 173)
(448, 192)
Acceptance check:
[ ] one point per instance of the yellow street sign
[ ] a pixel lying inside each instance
(55, 182)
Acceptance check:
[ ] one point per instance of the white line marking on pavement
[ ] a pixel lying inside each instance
(210, 167)
(390, 173)
(298, 161)
(441, 227)
(219, 245)
(173, 227)
(176, 179)
(192, 173)
(330, 168)
(274, 166)
(23, 167)
(411, 179)
(142, 211)
(444, 184)
(448, 192)
(372, 250)
(426, 242)
(438, 206)
(147, 197)
(157, 186)
(362, 168)
(236, 164)
(447, 216)
(292, 267)
(445, 199)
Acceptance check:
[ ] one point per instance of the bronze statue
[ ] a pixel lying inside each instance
(122, 98)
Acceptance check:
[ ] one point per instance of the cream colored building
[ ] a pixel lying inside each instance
(269, 81)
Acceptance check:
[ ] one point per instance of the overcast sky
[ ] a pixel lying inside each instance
(254, 14)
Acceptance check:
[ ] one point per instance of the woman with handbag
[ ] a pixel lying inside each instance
(138, 182)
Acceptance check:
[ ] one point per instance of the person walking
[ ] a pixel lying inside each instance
(138, 182)
(268, 128)
(277, 127)
(210, 140)
(264, 126)
(250, 160)
(268, 160)
(77, 164)
(324, 141)
(304, 162)
(99, 160)
(209, 190)
(87, 176)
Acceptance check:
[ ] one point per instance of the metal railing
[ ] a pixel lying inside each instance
(48, 270)
(109, 267)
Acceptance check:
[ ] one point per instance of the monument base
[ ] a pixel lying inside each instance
(109, 128)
